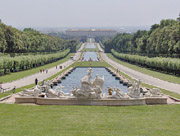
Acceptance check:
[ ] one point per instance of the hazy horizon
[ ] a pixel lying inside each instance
(86, 13)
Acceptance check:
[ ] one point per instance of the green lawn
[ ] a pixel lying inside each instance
(90, 50)
(160, 75)
(91, 64)
(18, 75)
(21, 120)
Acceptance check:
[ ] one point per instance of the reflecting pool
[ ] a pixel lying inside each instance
(90, 45)
(74, 78)
(90, 55)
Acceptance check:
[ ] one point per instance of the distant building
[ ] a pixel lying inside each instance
(91, 32)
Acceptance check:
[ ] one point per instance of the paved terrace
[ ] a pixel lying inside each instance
(173, 87)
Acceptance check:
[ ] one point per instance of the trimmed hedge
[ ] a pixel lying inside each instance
(169, 65)
(18, 63)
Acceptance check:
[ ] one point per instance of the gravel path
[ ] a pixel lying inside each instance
(173, 87)
(82, 46)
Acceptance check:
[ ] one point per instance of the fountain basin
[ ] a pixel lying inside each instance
(74, 78)
(90, 56)
(90, 46)
(92, 102)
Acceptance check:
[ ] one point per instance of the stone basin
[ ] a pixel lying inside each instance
(95, 102)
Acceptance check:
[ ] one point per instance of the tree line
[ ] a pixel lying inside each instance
(13, 40)
(161, 40)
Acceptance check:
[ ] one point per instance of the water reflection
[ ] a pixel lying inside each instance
(90, 45)
(90, 56)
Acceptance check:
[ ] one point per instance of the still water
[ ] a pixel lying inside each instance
(90, 45)
(90, 55)
(74, 78)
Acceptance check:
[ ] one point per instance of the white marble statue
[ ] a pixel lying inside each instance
(59, 90)
(119, 95)
(155, 92)
(52, 93)
(134, 91)
(46, 86)
(33, 92)
(98, 81)
(89, 89)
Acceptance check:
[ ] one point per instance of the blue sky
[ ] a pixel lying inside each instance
(86, 13)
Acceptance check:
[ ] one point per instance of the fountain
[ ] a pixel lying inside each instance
(89, 89)
(90, 56)
(90, 93)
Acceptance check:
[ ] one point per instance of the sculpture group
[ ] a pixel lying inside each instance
(92, 89)
(89, 89)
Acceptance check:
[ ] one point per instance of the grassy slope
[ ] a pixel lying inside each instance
(163, 76)
(19, 75)
(20, 120)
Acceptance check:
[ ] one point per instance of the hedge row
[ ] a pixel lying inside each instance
(169, 65)
(18, 63)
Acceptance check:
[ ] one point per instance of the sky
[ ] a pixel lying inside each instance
(87, 13)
